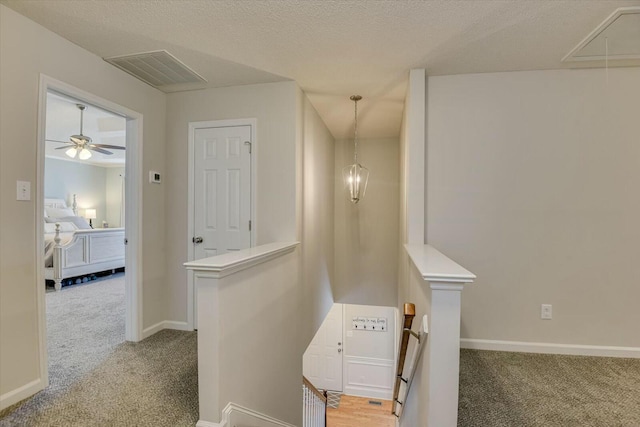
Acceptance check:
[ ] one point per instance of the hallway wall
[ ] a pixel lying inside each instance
(366, 234)
(316, 220)
(28, 50)
(533, 185)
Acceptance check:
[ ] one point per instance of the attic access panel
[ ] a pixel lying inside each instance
(616, 38)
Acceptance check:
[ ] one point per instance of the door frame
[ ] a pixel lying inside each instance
(193, 126)
(133, 213)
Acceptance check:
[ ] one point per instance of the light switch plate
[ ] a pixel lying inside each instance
(23, 190)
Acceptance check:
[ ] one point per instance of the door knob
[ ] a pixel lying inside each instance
(197, 240)
(339, 350)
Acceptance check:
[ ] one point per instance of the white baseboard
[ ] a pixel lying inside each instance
(15, 396)
(236, 415)
(368, 392)
(165, 324)
(549, 348)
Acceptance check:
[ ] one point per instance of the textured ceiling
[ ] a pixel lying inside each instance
(332, 48)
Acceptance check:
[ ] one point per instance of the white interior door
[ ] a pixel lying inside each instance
(322, 362)
(222, 190)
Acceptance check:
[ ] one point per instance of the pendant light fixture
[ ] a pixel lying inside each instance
(355, 176)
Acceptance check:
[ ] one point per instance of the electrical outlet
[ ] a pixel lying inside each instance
(154, 177)
(545, 312)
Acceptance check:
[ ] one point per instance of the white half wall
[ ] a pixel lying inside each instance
(249, 343)
(533, 185)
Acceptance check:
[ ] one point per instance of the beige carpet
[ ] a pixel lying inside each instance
(97, 379)
(537, 390)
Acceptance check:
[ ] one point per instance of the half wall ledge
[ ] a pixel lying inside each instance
(434, 266)
(223, 265)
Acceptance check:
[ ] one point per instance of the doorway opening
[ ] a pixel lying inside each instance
(89, 277)
(84, 207)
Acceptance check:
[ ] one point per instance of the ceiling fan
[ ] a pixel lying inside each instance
(82, 145)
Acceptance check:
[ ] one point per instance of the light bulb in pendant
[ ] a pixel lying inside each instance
(71, 152)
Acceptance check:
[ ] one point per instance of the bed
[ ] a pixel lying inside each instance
(73, 249)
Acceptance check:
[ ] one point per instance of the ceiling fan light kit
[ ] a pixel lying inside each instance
(84, 154)
(71, 152)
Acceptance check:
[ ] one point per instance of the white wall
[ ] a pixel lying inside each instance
(317, 220)
(366, 234)
(114, 200)
(273, 105)
(26, 50)
(63, 179)
(369, 357)
(533, 184)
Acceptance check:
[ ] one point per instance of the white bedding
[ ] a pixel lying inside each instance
(49, 244)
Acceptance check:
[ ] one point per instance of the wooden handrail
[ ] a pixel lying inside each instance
(310, 386)
(409, 314)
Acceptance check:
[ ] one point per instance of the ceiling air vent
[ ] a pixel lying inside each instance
(158, 68)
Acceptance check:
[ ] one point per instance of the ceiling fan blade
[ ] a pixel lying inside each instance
(113, 147)
(100, 150)
(63, 148)
(61, 142)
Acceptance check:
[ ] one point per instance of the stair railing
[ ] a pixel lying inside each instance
(407, 332)
(314, 413)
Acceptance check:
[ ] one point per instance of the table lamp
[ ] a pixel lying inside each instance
(90, 214)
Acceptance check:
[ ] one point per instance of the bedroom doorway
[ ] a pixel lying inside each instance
(84, 188)
(89, 160)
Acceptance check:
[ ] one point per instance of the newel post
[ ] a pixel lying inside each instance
(444, 280)
(444, 353)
